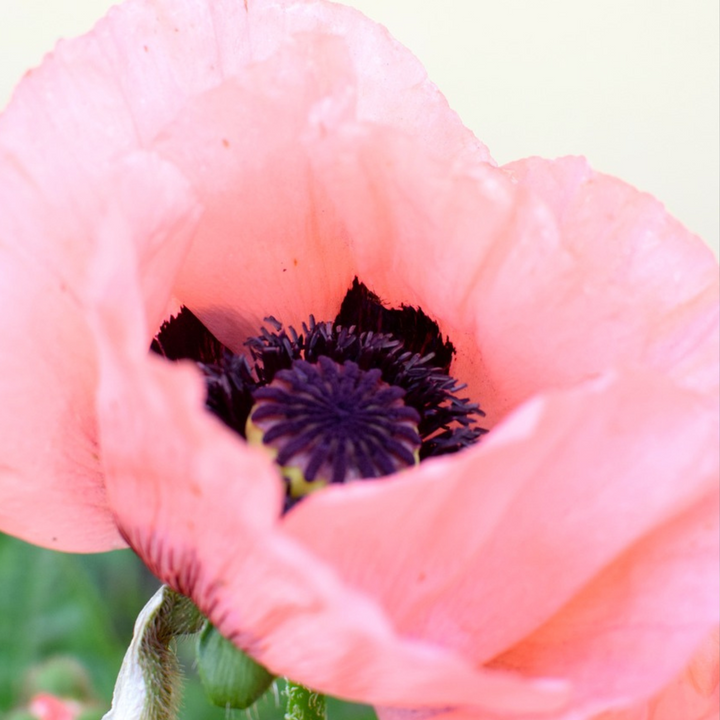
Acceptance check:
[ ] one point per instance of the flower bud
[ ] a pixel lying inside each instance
(231, 678)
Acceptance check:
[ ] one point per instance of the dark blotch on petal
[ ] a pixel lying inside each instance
(419, 334)
(184, 337)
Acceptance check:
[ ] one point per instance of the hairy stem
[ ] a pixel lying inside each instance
(304, 704)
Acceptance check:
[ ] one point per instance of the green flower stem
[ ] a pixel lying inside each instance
(304, 704)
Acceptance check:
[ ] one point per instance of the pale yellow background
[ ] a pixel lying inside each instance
(631, 84)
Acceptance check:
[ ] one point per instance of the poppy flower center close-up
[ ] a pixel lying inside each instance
(364, 396)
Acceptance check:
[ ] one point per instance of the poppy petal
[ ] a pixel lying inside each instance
(52, 491)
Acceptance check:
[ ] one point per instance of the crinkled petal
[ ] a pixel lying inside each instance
(52, 490)
(476, 551)
(268, 242)
(643, 289)
(242, 147)
(636, 625)
(694, 694)
(163, 53)
(537, 287)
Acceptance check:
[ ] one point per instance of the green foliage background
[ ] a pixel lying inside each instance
(84, 607)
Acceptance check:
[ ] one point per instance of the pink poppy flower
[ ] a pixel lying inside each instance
(45, 706)
(250, 159)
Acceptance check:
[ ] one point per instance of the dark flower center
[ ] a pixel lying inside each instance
(360, 397)
(333, 423)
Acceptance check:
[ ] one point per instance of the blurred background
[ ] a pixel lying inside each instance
(66, 621)
(633, 86)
